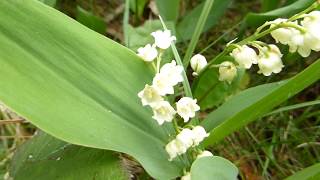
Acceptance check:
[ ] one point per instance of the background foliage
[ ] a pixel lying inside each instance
(274, 147)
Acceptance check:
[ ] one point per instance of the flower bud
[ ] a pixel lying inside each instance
(149, 96)
(162, 112)
(283, 35)
(199, 135)
(244, 56)
(198, 62)
(270, 61)
(227, 71)
(186, 108)
(185, 137)
(186, 176)
(163, 39)
(204, 154)
(148, 53)
(175, 148)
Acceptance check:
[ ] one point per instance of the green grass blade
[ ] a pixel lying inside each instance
(196, 35)
(126, 23)
(185, 82)
(295, 106)
(251, 104)
(185, 28)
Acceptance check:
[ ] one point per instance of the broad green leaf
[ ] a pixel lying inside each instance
(210, 92)
(51, 3)
(186, 27)
(168, 9)
(91, 21)
(309, 173)
(45, 157)
(215, 167)
(78, 85)
(252, 103)
(268, 5)
(256, 19)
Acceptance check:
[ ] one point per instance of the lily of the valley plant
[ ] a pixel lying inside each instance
(300, 33)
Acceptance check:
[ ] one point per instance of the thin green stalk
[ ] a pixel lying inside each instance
(196, 35)
(309, 9)
(292, 107)
(126, 22)
(220, 37)
(185, 82)
(243, 42)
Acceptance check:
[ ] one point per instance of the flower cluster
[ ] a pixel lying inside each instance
(299, 32)
(163, 84)
(301, 36)
(269, 58)
(166, 78)
(185, 139)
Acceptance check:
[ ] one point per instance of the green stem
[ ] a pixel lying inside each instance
(159, 62)
(126, 22)
(185, 82)
(196, 35)
(300, 14)
(219, 38)
(259, 34)
(175, 126)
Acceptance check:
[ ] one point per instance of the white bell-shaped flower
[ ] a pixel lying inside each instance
(173, 72)
(283, 35)
(175, 148)
(244, 56)
(204, 154)
(297, 44)
(311, 18)
(163, 112)
(162, 84)
(199, 135)
(198, 62)
(270, 61)
(312, 36)
(186, 108)
(186, 137)
(186, 176)
(149, 96)
(227, 71)
(163, 39)
(148, 53)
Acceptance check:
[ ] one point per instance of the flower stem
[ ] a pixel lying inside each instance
(159, 62)
(300, 14)
(185, 82)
